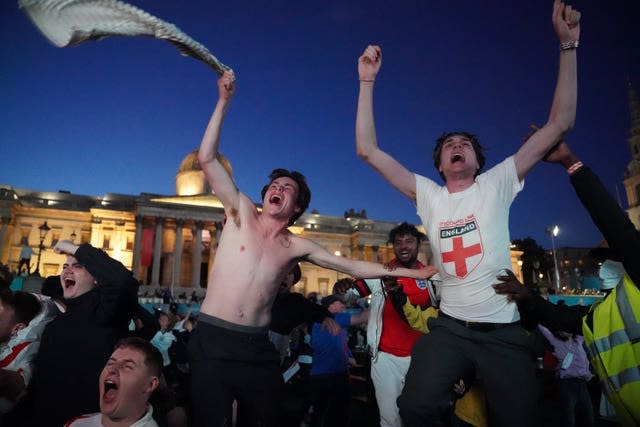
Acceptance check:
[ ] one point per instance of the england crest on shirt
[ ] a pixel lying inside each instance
(460, 246)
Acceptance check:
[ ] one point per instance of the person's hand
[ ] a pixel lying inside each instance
(227, 85)
(65, 247)
(369, 63)
(330, 325)
(511, 287)
(566, 22)
(559, 153)
(390, 283)
(460, 388)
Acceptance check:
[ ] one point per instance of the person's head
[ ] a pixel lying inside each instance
(334, 304)
(290, 279)
(611, 273)
(131, 374)
(458, 148)
(75, 279)
(6, 277)
(17, 309)
(406, 240)
(341, 287)
(287, 187)
(166, 321)
(51, 287)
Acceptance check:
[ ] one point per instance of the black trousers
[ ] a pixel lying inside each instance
(231, 364)
(502, 358)
(331, 399)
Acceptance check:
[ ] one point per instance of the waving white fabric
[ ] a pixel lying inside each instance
(70, 22)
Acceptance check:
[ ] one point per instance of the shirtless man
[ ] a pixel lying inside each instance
(230, 353)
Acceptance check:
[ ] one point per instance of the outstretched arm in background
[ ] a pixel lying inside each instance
(318, 255)
(607, 215)
(209, 155)
(366, 141)
(566, 22)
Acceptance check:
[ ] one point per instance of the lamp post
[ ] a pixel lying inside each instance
(553, 231)
(44, 229)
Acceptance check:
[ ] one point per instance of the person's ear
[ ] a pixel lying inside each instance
(154, 382)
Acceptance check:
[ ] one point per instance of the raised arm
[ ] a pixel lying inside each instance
(366, 142)
(612, 221)
(316, 254)
(209, 155)
(566, 22)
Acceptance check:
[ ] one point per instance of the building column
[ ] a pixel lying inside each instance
(157, 252)
(4, 246)
(376, 254)
(137, 246)
(177, 256)
(197, 254)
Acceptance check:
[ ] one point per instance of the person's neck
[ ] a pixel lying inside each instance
(412, 264)
(456, 184)
(123, 422)
(273, 226)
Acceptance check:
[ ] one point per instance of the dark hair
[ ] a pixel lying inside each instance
(344, 281)
(304, 193)
(52, 287)
(475, 143)
(329, 299)
(152, 356)
(404, 229)
(25, 305)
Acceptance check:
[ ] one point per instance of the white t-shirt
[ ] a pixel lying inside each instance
(95, 420)
(469, 236)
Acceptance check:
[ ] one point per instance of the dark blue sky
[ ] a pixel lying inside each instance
(120, 114)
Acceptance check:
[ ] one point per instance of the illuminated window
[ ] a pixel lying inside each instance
(323, 285)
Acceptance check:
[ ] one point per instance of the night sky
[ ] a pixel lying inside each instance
(120, 114)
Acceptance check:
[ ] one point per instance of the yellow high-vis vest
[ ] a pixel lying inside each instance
(613, 345)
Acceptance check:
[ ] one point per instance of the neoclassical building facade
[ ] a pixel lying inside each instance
(171, 241)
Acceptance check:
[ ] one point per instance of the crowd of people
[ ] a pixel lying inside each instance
(461, 352)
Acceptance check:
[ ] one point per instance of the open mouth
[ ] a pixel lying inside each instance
(275, 199)
(457, 158)
(110, 389)
(68, 283)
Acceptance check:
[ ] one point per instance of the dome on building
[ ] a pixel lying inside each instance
(190, 163)
(190, 180)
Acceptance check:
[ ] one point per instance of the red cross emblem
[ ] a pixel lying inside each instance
(460, 247)
(459, 255)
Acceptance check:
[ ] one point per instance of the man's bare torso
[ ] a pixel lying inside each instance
(250, 264)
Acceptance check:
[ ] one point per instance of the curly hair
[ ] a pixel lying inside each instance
(406, 229)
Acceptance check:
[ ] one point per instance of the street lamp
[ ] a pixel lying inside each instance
(44, 229)
(553, 231)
